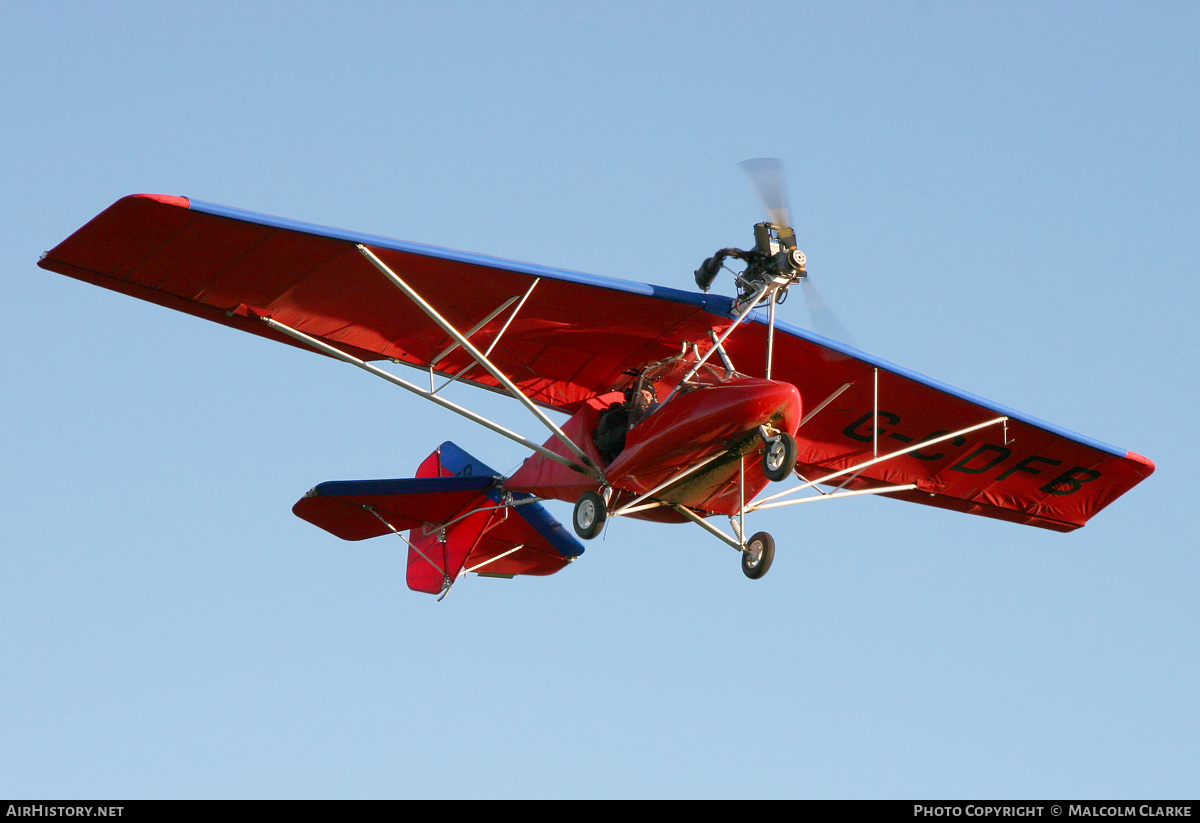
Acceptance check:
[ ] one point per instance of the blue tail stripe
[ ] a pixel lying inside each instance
(464, 466)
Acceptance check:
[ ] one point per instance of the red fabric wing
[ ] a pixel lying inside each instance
(575, 336)
(564, 345)
(1024, 470)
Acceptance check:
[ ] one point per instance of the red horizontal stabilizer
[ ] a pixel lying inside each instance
(358, 509)
(521, 539)
(457, 520)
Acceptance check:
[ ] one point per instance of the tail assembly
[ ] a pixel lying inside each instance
(459, 518)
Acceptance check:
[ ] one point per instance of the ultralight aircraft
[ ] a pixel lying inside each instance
(683, 407)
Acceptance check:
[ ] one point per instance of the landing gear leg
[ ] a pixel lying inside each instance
(758, 555)
(590, 514)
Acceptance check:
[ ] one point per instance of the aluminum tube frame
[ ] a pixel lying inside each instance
(708, 527)
(431, 528)
(770, 336)
(512, 316)
(835, 496)
(447, 581)
(479, 356)
(437, 358)
(496, 340)
(396, 532)
(859, 467)
(814, 488)
(653, 504)
(875, 419)
(758, 298)
(337, 353)
(837, 392)
(494, 559)
(724, 355)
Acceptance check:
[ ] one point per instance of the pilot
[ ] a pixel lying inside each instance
(642, 403)
(616, 421)
(611, 429)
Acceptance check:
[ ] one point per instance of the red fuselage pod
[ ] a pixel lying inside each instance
(718, 421)
(713, 421)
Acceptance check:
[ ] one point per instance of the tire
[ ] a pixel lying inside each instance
(779, 457)
(590, 514)
(758, 555)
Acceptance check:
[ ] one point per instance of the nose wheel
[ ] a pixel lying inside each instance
(779, 457)
(590, 514)
(758, 555)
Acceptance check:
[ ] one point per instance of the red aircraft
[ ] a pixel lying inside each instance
(683, 406)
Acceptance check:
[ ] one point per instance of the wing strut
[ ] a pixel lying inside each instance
(838, 495)
(437, 358)
(337, 353)
(826, 402)
(480, 325)
(766, 503)
(482, 359)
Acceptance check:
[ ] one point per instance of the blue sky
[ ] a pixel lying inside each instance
(1001, 196)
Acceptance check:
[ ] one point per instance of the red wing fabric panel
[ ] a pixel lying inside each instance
(573, 337)
(1023, 470)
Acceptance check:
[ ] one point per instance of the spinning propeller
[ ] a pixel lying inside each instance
(766, 175)
(775, 262)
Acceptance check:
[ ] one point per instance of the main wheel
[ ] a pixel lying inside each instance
(757, 556)
(779, 457)
(590, 514)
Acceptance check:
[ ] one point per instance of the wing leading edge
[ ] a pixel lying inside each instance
(573, 337)
(233, 267)
(1020, 469)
